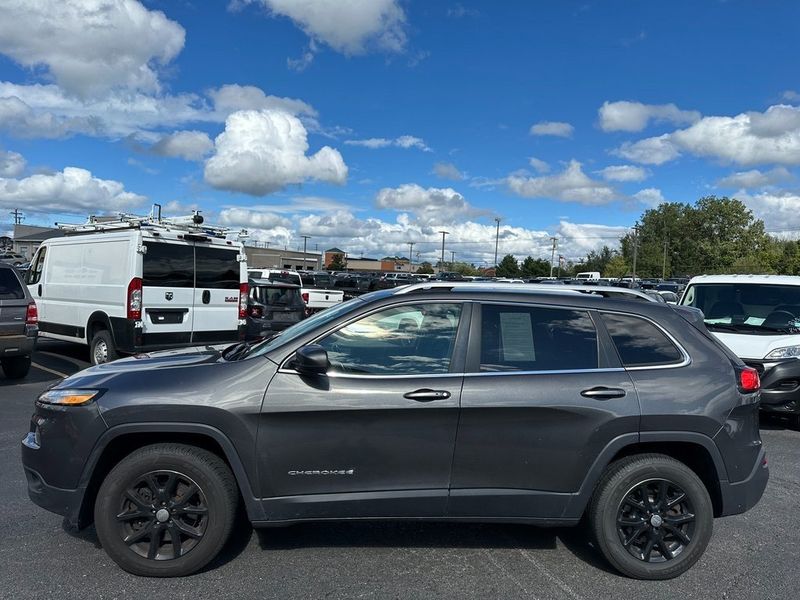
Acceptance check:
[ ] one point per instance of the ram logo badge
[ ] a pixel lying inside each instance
(169, 295)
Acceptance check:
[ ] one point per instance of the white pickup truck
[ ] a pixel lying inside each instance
(312, 285)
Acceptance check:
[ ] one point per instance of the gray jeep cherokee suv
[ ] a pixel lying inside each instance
(463, 403)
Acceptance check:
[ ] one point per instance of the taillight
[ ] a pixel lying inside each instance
(32, 314)
(243, 291)
(749, 381)
(305, 297)
(135, 299)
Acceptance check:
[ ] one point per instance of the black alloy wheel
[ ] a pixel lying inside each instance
(655, 521)
(162, 516)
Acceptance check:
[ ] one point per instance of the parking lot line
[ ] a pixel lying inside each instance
(53, 371)
(75, 361)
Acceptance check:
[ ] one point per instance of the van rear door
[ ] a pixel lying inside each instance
(167, 293)
(218, 274)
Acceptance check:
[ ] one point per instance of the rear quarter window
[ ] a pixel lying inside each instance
(10, 287)
(639, 342)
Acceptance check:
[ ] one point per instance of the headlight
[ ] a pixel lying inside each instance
(68, 397)
(785, 352)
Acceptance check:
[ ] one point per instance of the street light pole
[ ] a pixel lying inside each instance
(410, 255)
(496, 239)
(305, 245)
(452, 259)
(444, 233)
(553, 254)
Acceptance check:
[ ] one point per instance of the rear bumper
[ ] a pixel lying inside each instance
(130, 337)
(780, 385)
(18, 345)
(743, 495)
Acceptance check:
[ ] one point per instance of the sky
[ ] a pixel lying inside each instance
(368, 124)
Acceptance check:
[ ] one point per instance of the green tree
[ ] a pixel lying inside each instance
(508, 267)
(534, 267)
(616, 267)
(425, 268)
(337, 263)
(463, 268)
(595, 261)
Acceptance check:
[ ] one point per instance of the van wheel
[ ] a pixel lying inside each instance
(651, 516)
(16, 367)
(102, 348)
(166, 510)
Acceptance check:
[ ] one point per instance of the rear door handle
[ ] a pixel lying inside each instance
(603, 393)
(426, 395)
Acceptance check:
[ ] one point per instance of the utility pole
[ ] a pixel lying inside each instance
(305, 244)
(496, 239)
(444, 233)
(553, 254)
(410, 255)
(18, 216)
(560, 259)
(664, 267)
(452, 259)
(635, 249)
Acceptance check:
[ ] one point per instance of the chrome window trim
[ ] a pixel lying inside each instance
(554, 372)
(336, 375)
(684, 362)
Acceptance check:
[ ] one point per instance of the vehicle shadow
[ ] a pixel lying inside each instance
(410, 534)
(771, 422)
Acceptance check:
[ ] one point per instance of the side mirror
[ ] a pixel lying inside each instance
(311, 360)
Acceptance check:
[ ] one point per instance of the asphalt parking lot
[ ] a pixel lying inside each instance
(751, 556)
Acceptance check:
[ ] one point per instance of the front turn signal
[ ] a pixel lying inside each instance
(68, 397)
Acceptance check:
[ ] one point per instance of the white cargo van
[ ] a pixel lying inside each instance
(140, 284)
(758, 317)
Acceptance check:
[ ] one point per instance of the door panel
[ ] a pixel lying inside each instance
(168, 292)
(216, 294)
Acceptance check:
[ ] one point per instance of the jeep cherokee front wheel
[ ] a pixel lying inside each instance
(166, 510)
(651, 516)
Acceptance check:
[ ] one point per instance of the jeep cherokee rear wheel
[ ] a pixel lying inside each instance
(166, 510)
(651, 516)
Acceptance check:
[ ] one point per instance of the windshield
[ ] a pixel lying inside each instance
(747, 307)
(303, 327)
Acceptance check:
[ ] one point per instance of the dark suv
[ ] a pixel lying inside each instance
(462, 402)
(19, 324)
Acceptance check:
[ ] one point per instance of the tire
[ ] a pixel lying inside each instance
(626, 507)
(16, 367)
(161, 489)
(102, 349)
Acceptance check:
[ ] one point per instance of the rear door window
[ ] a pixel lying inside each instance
(168, 265)
(529, 338)
(10, 287)
(216, 268)
(34, 274)
(639, 342)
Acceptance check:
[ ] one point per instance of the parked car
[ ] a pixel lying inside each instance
(477, 402)
(314, 295)
(13, 259)
(669, 297)
(18, 324)
(758, 318)
(134, 286)
(272, 306)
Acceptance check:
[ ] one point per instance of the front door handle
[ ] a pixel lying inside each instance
(603, 393)
(426, 395)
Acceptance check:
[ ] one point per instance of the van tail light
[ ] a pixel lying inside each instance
(244, 289)
(135, 299)
(305, 297)
(749, 381)
(32, 314)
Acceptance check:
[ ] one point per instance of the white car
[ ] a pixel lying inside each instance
(131, 286)
(758, 318)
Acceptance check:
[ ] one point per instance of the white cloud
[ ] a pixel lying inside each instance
(651, 197)
(71, 191)
(539, 165)
(188, 145)
(635, 116)
(778, 210)
(791, 96)
(447, 170)
(233, 97)
(351, 27)
(555, 128)
(650, 151)
(429, 205)
(249, 218)
(263, 151)
(571, 185)
(404, 141)
(91, 46)
(755, 178)
(12, 164)
(749, 139)
(624, 173)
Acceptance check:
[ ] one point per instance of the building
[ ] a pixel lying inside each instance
(371, 265)
(276, 258)
(28, 238)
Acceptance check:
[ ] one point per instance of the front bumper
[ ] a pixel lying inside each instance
(743, 495)
(780, 384)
